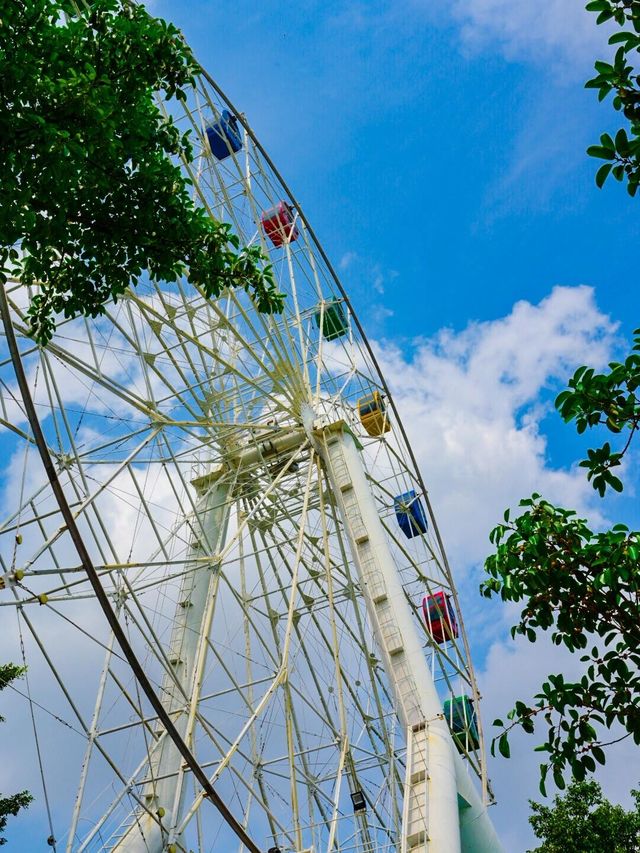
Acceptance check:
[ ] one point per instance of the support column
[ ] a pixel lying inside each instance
(435, 771)
(186, 654)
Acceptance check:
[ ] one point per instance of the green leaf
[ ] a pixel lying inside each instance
(607, 142)
(598, 754)
(615, 483)
(542, 786)
(558, 779)
(578, 771)
(603, 67)
(601, 152)
(604, 91)
(623, 38)
(603, 173)
(503, 746)
(604, 16)
(622, 142)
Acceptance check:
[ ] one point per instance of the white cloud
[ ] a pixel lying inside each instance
(556, 31)
(471, 402)
(347, 260)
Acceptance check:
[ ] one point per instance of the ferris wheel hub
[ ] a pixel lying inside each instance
(308, 418)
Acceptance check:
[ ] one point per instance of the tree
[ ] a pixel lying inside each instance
(583, 586)
(620, 77)
(583, 821)
(91, 196)
(10, 806)
(580, 585)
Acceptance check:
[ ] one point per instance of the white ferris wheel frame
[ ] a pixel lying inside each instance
(247, 360)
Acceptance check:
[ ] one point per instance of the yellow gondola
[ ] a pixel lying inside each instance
(373, 414)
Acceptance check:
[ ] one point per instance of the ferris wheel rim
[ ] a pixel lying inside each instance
(362, 341)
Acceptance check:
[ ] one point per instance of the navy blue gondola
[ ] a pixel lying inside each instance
(224, 136)
(410, 514)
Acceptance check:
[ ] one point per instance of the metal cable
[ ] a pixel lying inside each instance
(51, 841)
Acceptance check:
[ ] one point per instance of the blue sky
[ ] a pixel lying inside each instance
(453, 166)
(438, 150)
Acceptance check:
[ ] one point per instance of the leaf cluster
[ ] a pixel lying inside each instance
(579, 585)
(10, 806)
(583, 821)
(92, 196)
(609, 399)
(620, 77)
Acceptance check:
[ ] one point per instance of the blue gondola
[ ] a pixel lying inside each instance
(410, 514)
(224, 136)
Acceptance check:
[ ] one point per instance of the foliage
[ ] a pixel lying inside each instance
(10, 806)
(620, 77)
(580, 585)
(583, 821)
(91, 195)
(584, 586)
(609, 399)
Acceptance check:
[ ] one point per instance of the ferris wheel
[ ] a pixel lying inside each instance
(245, 490)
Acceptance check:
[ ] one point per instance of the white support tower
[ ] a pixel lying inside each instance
(442, 810)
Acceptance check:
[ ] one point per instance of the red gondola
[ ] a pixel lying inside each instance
(440, 617)
(279, 224)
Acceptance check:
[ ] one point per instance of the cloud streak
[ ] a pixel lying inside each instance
(559, 31)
